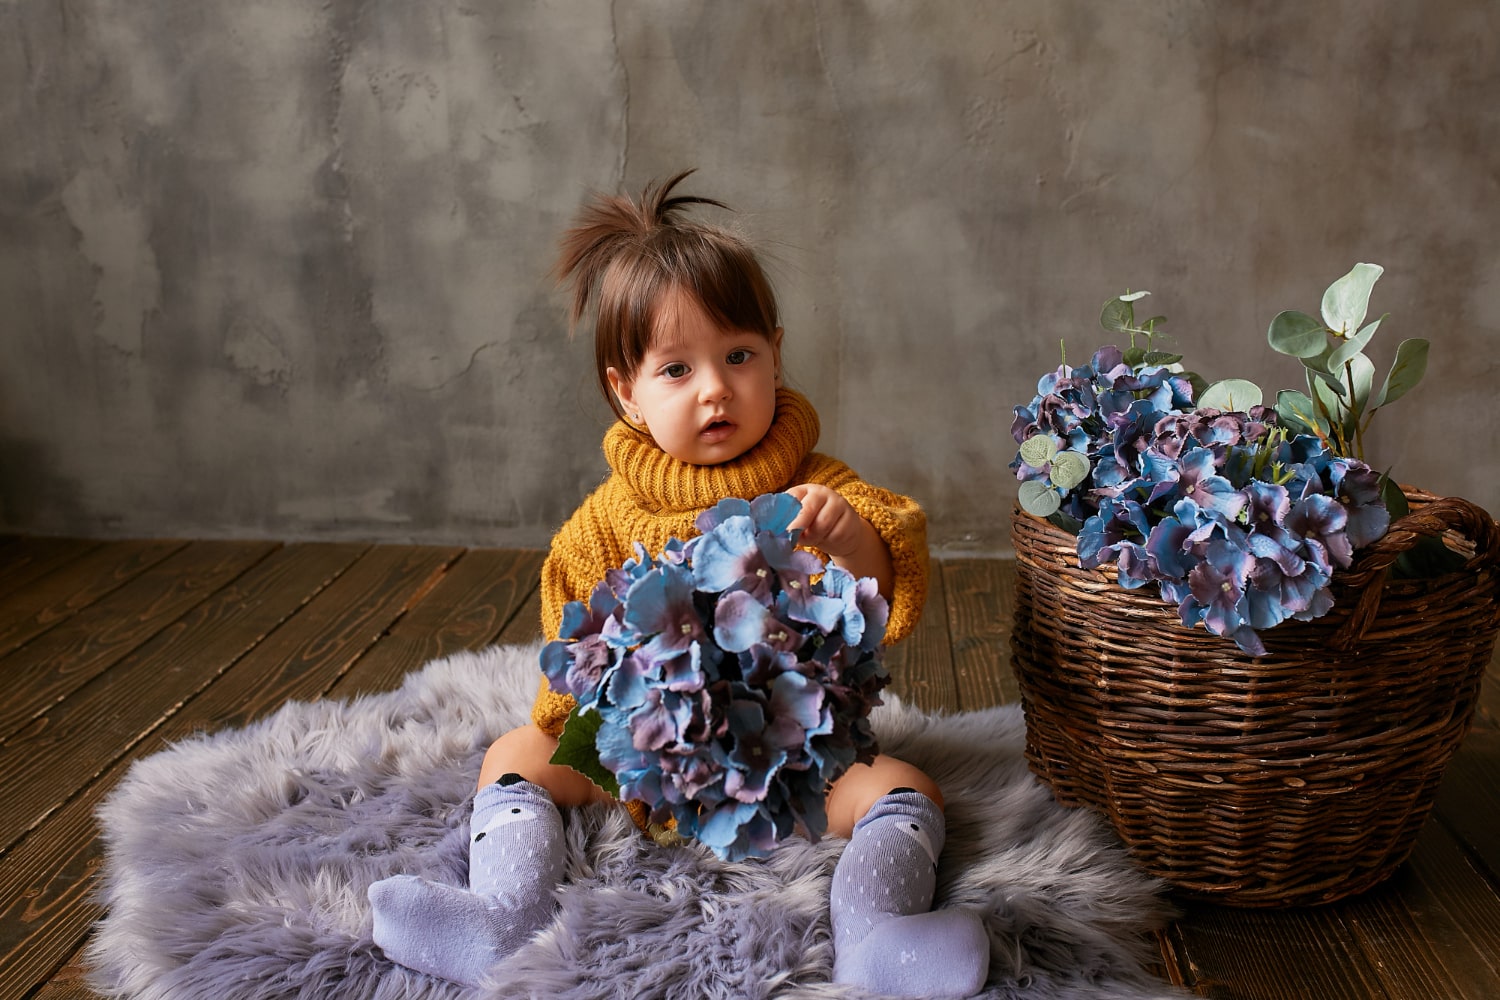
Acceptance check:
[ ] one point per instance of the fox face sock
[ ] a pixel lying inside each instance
(515, 865)
(886, 937)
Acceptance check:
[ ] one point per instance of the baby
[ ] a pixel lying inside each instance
(688, 355)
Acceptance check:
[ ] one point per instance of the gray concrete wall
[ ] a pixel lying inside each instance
(279, 268)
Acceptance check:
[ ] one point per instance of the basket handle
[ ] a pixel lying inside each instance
(1433, 519)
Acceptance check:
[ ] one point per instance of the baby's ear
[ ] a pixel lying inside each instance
(621, 386)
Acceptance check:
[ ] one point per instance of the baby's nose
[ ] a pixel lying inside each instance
(714, 387)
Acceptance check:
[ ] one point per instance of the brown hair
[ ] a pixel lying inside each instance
(622, 256)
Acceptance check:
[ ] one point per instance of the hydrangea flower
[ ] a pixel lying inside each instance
(1237, 522)
(730, 679)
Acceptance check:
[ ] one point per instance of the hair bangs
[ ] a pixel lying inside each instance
(728, 281)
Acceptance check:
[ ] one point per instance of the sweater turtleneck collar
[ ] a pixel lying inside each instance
(662, 484)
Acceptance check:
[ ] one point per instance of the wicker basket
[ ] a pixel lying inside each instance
(1300, 777)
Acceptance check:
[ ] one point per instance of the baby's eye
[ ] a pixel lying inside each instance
(675, 370)
(738, 357)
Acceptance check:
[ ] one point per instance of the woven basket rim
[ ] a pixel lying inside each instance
(1466, 527)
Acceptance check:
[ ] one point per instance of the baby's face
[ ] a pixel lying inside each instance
(706, 395)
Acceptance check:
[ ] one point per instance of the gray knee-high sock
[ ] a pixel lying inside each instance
(515, 865)
(886, 938)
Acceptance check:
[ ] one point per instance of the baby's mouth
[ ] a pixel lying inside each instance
(716, 430)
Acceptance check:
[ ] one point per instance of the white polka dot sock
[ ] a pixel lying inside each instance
(886, 939)
(515, 864)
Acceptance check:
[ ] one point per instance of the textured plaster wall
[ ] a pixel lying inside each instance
(280, 268)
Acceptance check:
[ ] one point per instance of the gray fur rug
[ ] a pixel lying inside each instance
(236, 865)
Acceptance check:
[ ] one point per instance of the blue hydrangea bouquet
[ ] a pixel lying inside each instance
(1237, 511)
(725, 682)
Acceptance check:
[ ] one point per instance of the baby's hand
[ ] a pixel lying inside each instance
(828, 522)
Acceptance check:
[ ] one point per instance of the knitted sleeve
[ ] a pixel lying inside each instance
(551, 708)
(576, 561)
(901, 524)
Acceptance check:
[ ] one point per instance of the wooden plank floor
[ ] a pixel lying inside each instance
(111, 650)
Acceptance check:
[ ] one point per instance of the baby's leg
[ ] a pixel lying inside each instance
(515, 864)
(886, 936)
(528, 751)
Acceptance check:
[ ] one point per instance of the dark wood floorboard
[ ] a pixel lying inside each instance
(921, 667)
(27, 559)
(467, 609)
(30, 610)
(980, 600)
(114, 649)
(75, 651)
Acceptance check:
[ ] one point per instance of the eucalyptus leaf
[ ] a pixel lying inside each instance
(1039, 499)
(1348, 402)
(1297, 334)
(1069, 469)
(1296, 413)
(1037, 450)
(1353, 345)
(1407, 370)
(576, 748)
(1117, 316)
(1347, 299)
(1318, 375)
(1361, 370)
(1330, 399)
(1232, 394)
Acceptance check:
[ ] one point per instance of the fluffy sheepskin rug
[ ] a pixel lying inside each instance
(237, 863)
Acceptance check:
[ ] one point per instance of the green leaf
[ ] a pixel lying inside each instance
(1407, 370)
(1297, 334)
(1232, 394)
(576, 749)
(1317, 375)
(1347, 299)
(1162, 358)
(1118, 316)
(1037, 450)
(1346, 400)
(1134, 356)
(1330, 396)
(1066, 522)
(1353, 345)
(1069, 469)
(1428, 558)
(1393, 496)
(1039, 499)
(1362, 370)
(1297, 413)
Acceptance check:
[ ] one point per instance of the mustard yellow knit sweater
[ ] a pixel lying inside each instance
(651, 497)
